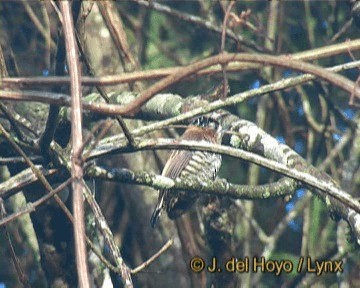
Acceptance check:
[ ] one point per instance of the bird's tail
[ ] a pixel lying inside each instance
(157, 212)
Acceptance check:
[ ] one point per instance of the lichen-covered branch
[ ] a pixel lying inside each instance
(218, 187)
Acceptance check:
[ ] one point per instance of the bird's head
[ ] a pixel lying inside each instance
(211, 123)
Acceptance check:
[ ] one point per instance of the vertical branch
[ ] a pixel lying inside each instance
(261, 119)
(76, 138)
(223, 39)
(115, 26)
(189, 248)
(21, 275)
(111, 17)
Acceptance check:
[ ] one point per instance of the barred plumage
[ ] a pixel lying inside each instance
(183, 163)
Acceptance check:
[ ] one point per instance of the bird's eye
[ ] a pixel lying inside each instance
(213, 124)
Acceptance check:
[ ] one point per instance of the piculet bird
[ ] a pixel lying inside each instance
(185, 163)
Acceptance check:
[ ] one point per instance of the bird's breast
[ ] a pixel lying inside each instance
(203, 165)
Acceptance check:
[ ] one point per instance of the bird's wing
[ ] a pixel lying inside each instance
(176, 163)
(173, 167)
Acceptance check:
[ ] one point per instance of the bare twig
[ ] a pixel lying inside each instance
(12, 121)
(30, 207)
(343, 29)
(103, 127)
(199, 21)
(19, 181)
(13, 160)
(34, 169)
(43, 31)
(222, 49)
(109, 109)
(123, 269)
(104, 95)
(224, 58)
(312, 54)
(153, 258)
(21, 275)
(114, 24)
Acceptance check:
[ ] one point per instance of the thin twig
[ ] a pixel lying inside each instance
(101, 222)
(343, 29)
(224, 58)
(34, 169)
(104, 127)
(153, 258)
(109, 109)
(104, 95)
(114, 23)
(222, 49)
(13, 160)
(199, 21)
(21, 275)
(30, 207)
(308, 55)
(43, 31)
(12, 121)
